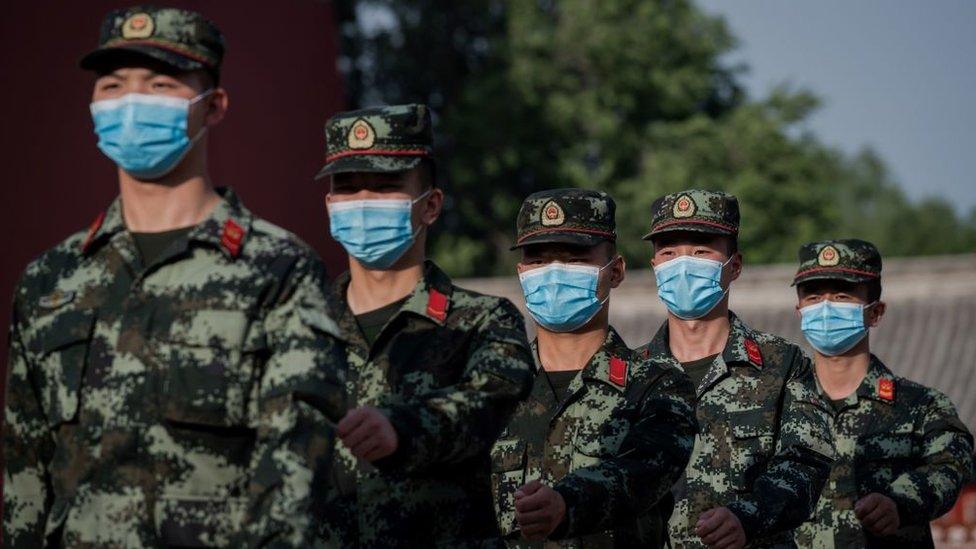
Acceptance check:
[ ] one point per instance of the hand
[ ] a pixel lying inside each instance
(878, 514)
(720, 528)
(538, 510)
(367, 433)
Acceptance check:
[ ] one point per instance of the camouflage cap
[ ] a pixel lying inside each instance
(182, 39)
(695, 210)
(566, 216)
(379, 139)
(849, 259)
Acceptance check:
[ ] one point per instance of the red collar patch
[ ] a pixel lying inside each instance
(92, 229)
(886, 389)
(231, 237)
(618, 371)
(752, 350)
(437, 305)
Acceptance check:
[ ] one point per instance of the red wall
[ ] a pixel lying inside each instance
(281, 75)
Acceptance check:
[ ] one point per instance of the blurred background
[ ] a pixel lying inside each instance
(826, 119)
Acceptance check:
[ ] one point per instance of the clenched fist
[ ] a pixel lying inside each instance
(878, 514)
(367, 433)
(721, 529)
(538, 510)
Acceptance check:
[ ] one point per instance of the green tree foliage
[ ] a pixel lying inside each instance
(629, 96)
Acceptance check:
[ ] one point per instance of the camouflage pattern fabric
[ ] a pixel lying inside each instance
(695, 210)
(899, 439)
(182, 39)
(763, 448)
(169, 404)
(570, 216)
(612, 449)
(380, 139)
(448, 370)
(850, 260)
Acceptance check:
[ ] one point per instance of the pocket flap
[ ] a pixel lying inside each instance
(750, 424)
(508, 455)
(211, 328)
(62, 329)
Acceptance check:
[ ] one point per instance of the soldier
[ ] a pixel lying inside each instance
(763, 452)
(435, 371)
(171, 368)
(605, 433)
(902, 453)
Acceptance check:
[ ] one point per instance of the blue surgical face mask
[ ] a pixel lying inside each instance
(689, 286)
(833, 327)
(561, 297)
(376, 232)
(145, 134)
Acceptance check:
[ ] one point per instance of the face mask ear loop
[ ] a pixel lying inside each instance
(203, 130)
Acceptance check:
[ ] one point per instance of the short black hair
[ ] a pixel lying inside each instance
(428, 172)
(874, 289)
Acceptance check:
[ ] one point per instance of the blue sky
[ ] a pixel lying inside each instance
(897, 75)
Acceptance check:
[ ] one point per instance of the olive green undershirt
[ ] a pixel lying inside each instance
(697, 369)
(152, 245)
(560, 382)
(371, 322)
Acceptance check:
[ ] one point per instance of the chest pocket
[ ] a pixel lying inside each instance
(426, 359)
(603, 422)
(883, 456)
(752, 446)
(60, 343)
(212, 365)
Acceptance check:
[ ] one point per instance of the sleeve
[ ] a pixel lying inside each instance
(785, 493)
(456, 422)
(301, 395)
(652, 457)
(930, 490)
(28, 448)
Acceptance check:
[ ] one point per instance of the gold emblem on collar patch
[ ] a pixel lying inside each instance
(139, 25)
(361, 135)
(552, 215)
(684, 206)
(828, 257)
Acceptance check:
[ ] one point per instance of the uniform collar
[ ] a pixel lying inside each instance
(226, 228)
(610, 364)
(741, 346)
(878, 384)
(430, 298)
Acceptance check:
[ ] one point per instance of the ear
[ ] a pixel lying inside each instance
(875, 313)
(431, 206)
(618, 271)
(735, 267)
(217, 104)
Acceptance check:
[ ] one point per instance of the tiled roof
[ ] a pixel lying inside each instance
(928, 333)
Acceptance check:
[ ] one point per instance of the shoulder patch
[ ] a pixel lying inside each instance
(886, 389)
(752, 350)
(618, 371)
(437, 304)
(92, 229)
(231, 237)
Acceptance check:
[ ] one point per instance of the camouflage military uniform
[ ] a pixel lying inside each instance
(893, 436)
(764, 446)
(612, 449)
(146, 403)
(172, 401)
(614, 444)
(447, 370)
